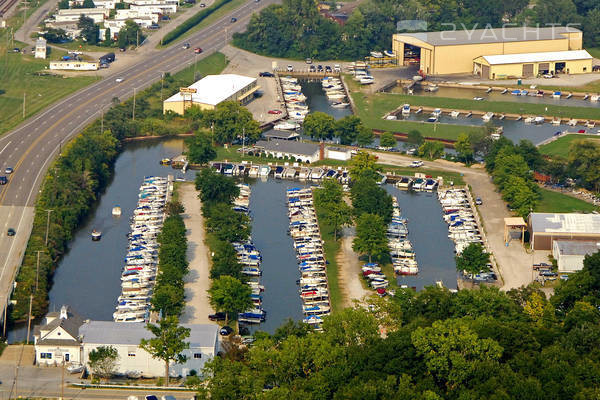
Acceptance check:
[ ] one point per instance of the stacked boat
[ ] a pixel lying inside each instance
(401, 249)
(460, 217)
(249, 257)
(139, 273)
(294, 99)
(334, 90)
(304, 230)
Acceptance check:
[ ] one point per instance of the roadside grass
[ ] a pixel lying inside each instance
(594, 51)
(80, 45)
(560, 147)
(372, 107)
(554, 202)
(217, 14)
(331, 248)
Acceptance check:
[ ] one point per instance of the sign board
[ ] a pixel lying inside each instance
(187, 90)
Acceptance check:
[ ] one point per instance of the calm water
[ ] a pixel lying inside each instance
(469, 93)
(428, 234)
(317, 101)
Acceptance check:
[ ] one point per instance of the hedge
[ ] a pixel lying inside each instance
(193, 21)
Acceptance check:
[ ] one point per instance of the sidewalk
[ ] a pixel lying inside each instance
(197, 282)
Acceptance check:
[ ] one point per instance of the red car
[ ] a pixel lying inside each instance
(197, 50)
(274, 111)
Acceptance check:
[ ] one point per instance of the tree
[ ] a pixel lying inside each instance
(130, 34)
(472, 259)
(215, 187)
(463, 148)
(371, 236)
(364, 137)
(89, 30)
(337, 215)
(319, 125)
(168, 342)
(415, 138)
(330, 192)
(431, 150)
(103, 361)
(231, 121)
(584, 163)
(387, 140)
(227, 224)
(225, 261)
(88, 4)
(229, 295)
(363, 165)
(54, 35)
(175, 207)
(370, 198)
(347, 129)
(200, 149)
(63, 5)
(558, 12)
(530, 154)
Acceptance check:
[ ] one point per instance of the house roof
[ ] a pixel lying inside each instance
(71, 324)
(113, 333)
(275, 134)
(340, 149)
(288, 146)
(492, 35)
(58, 342)
(577, 247)
(213, 89)
(537, 57)
(571, 223)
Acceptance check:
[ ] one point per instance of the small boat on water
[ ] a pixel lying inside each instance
(595, 97)
(116, 211)
(406, 109)
(557, 95)
(487, 116)
(538, 120)
(389, 53)
(432, 118)
(96, 235)
(286, 125)
(165, 161)
(454, 114)
(432, 88)
(339, 104)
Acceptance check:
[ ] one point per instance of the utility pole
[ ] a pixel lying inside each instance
(162, 77)
(133, 115)
(29, 318)
(37, 270)
(62, 380)
(137, 40)
(47, 225)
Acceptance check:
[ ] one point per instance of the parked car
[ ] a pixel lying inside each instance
(312, 68)
(220, 316)
(233, 19)
(186, 46)
(290, 68)
(3, 180)
(308, 61)
(411, 152)
(11, 232)
(225, 331)
(337, 68)
(8, 170)
(198, 50)
(416, 164)
(165, 18)
(274, 111)
(75, 368)
(150, 397)
(548, 76)
(103, 65)
(266, 74)
(478, 201)
(154, 26)
(320, 68)
(327, 68)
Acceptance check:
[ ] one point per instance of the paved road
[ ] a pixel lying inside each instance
(31, 147)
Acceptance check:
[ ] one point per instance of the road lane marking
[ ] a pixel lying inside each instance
(5, 147)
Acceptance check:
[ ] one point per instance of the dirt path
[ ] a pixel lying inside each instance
(197, 281)
(349, 270)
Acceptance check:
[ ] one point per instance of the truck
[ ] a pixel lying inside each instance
(107, 58)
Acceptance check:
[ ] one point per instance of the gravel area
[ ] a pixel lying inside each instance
(349, 270)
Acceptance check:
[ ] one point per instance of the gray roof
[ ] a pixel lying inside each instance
(275, 134)
(124, 333)
(342, 149)
(496, 35)
(565, 223)
(70, 325)
(577, 247)
(289, 146)
(57, 342)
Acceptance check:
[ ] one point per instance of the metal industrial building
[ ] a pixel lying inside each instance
(211, 90)
(545, 228)
(569, 254)
(455, 52)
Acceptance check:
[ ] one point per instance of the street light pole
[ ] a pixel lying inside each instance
(29, 318)
(133, 116)
(47, 225)
(37, 270)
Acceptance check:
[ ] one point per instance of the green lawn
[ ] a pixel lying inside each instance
(560, 147)
(371, 109)
(331, 247)
(554, 202)
(79, 45)
(594, 51)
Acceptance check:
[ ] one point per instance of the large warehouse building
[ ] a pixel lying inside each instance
(211, 90)
(495, 53)
(545, 228)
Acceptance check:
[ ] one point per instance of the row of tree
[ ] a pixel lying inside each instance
(228, 292)
(296, 29)
(349, 130)
(130, 34)
(471, 344)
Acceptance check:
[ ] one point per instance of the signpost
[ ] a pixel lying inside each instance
(185, 91)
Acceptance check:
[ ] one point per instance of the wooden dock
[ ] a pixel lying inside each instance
(306, 74)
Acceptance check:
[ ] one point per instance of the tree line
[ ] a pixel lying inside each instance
(431, 344)
(296, 29)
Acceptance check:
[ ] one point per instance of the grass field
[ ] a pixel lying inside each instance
(594, 51)
(560, 147)
(554, 202)
(331, 248)
(371, 109)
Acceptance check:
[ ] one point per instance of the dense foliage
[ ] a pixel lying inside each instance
(295, 28)
(370, 198)
(192, 21)
(331, 207)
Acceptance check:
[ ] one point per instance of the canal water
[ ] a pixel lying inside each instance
(428, 234)
(470, 93)
(317, 101)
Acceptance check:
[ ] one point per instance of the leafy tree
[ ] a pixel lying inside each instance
(415, 138)
(363, 165)
(175, 207)
(558, 12)
(371, 236)
(88, 4)
(89, 30)
(54, 35)
(225, 261)
(63, 5)
(463, 148)
(584, 163)
(330, 192)
(168, 298)
(231, 121)
(387, 139)
(227, 224)
(521, 195)
(200, 149)
(130, 34)
(103, 361)
(229, 295)
(168, 342)
(431, 150)
(319, 125)
(370, 198)
(472, 259)
(591, 27)
(530, 154)
(581, 286)
(215, 187)
(364, 137)
(337, 215)
(348, 128)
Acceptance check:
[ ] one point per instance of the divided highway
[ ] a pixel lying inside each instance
(31, 147)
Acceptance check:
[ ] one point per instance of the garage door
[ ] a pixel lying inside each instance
(485, 71)
(527, 69)
(544, 67)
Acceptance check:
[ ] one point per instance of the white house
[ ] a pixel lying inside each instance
(40, 48)
(304, 152)
(74, 65)
(126, 337)
(108, 4)
(141, 2)
(569, 254)
(338, 153)
(97, 14)
(157, 8)
(135, 14)
(57, 339)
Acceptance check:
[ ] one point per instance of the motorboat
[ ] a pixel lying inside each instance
(96, 235)
(538, 120)
(454, 114)
(286, 125)
(406, 109)
(557, 95)
(116, 211)
(367, 80)
(389, 53)
(432, 118)
(431, 88)
(595, 97)
(487, 116)
(339, 104)
(264, 170)
(376, 54)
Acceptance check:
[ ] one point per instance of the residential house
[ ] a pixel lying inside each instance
(57, 339)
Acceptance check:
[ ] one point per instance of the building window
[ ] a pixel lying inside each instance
(131, 354)
(197, 355)
(584, 69)
(46, 356)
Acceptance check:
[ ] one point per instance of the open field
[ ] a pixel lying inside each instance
(554, 202)
(560, 147)
(371, 109)
(594, 51)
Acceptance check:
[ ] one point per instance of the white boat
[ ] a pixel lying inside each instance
(437, 112)
(339, 104)
(376, 54)
(487, 116)
(590, 124)
(538, 120)
(116, 211)
(406, 109)
(336, 96)
(286, 125)
(595, 97)
(432, 118)
(431, 88)
(556, 121)
(96, 235)
(572, 122)
(389, 53)
(264, 170)
(454, 114)
(367, 80)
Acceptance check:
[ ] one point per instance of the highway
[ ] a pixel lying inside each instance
(31, 147)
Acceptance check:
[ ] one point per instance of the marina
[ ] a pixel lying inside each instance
(459, 214)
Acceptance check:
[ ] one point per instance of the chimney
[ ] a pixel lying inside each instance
(321, 151)
(64, 312)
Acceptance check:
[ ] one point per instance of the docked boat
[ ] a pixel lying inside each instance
(572, 122)
(116, 211)
(376, 54)
(264, 170)
(538, 120)
(454, 114)
(96, 235)
(488, 116)
(431, 88)
(278, 173)
(389, 53)
(404, 182)
(557, 94)
(432, 118)
(165, 161)
(595, 97)
(367, 80)
(406, 109)
(339, 104)
(286, 125)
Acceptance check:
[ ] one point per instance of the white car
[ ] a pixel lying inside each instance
(290, 68)
(119, 80)
(548, 76)
(416, 164)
